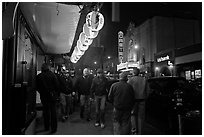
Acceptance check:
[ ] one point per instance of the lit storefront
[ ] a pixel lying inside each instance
(164, 64)
(188, 62)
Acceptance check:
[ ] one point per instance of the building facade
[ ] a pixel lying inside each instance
(165, 46)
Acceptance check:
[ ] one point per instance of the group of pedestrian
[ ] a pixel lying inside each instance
(59, 87)
(127, 96)
(92, 88)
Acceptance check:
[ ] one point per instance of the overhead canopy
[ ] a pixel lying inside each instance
(54, 23)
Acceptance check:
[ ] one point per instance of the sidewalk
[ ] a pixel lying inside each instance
(76, 126)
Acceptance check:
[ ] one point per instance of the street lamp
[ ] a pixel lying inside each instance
(157, 70)
(136, 46)
(109, 57)
(95, 62)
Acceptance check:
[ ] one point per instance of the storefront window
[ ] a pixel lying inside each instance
(198, 73)
(192, 75)
(188, 75)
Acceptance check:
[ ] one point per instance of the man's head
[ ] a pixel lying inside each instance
(45, 67)
(136, 72)
(123, 76)
(86, 72)
(99, 72)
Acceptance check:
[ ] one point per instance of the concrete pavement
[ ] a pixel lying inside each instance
(76, 126)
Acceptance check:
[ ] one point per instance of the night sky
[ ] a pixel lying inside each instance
(138, 13)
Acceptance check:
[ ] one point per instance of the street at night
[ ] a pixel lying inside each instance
(102, 68)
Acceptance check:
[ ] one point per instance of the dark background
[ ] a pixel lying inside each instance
(138, 13)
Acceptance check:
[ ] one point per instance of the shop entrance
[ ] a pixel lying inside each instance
(165, 71)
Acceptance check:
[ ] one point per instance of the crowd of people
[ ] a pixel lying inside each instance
(63, 90)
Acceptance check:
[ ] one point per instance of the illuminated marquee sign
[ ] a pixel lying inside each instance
(120, 46)
(122, 66)
(127, 65)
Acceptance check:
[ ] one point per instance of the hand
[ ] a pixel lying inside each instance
(91, 99)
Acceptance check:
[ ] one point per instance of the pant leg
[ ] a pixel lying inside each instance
(69, 104)
(82, 103)
(102, 109)
(46, 116)
(97, 99)
(141, 116)
(63, 104)
(116, 122)
(53, 116)
(126, 123)
(87, 106)
(134, 117)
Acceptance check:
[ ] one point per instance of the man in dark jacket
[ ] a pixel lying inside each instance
(82, 86)
(66, 88)
(122, 96)
(47, 86)
(99, 89)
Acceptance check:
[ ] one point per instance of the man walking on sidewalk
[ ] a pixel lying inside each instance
(139, 85)
(99, 89)
(83, 85)
(122, 96)
(47, 85)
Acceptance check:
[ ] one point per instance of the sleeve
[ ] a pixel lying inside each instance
(76, 84)
(37, 83)
(56, 84)
(92, 89)
(147, 88)
(110, 95)
(70, 86)
(133, 93)
(107, 82)
(129, 81)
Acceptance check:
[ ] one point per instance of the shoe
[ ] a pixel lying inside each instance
(97, 124)
(102, 125)
(63, 119)
(133, 131)
(88, 119)
(47, 129)
(66, 117)
(53, 131)
(81, 116)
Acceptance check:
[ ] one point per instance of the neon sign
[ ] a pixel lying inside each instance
(163, 58)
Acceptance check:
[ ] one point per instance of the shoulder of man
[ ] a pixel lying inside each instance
(95, 78)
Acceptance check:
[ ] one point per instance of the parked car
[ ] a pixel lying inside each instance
(174, 106)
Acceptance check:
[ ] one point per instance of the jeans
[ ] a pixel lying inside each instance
(85, 105)
(66, 102)
(100, 108)
(138, 116)
(121, 122)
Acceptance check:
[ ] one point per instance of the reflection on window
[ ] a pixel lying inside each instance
(192, 75)
(198, 73)
(188, 75)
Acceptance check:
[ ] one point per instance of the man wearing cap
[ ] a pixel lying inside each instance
(122, 96)
(99, 89)
(47, 85)
(139, 85)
